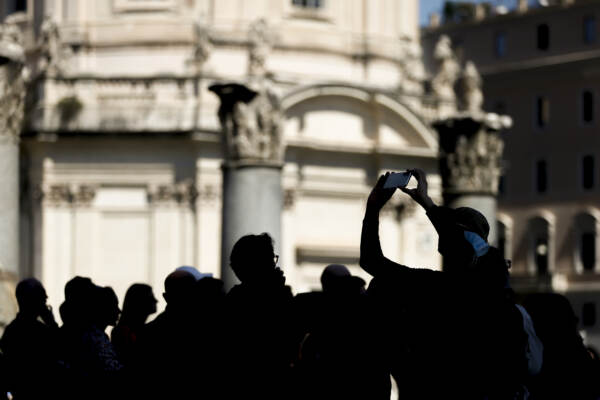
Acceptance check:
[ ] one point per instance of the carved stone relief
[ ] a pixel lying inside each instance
(202, 46)
(251, 122)
(209, 194)
(260, 42)
(54, 56)
(13, 77)
(412, 71)
(55, 195)
(471, 158)
(181, 193)
(83, 195)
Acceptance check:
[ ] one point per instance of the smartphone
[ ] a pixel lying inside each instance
(397, 180)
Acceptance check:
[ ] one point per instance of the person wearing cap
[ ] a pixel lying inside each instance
(461, 334)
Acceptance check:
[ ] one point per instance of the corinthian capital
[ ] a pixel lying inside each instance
(251, 122)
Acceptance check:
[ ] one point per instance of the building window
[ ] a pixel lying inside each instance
(588, 172)
(500, 44)
(543, 37)
(587, 106)
(308, 3)
(540, 251)
(588, 314)
(589, 29)
(542, 111)
(541, 176)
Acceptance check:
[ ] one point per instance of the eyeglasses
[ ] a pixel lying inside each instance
(275, 258)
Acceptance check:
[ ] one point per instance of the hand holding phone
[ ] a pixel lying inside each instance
(397, 180)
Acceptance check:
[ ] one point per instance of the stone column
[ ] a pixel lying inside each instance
(253, 159)
(470, 162)
(12, 97)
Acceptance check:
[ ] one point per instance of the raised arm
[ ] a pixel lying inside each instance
(372, 259)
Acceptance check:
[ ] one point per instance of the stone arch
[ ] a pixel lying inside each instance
(540, 252)
(585, 246)
(362, 118)
(504, 234)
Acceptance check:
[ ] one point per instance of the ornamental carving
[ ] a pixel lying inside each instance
(202, 45)
(209, 194)
(471, 156)
(251, 122)
(83, 195)
(260, 42)
(13, 76)
(161, 194)
(54, 56)
(183, 193)
(412, 71)
(56, 195)
(186, 193)
(448, 70)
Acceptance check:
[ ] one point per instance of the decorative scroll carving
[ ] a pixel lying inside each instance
(63, 194)
(54, 56)
(83, 195)
(209, 194)
(13, 77)
(183, 193)
(447, 72)
(160, 195)
(56, 195)
(260, 42)
(471, 96)
(186, 193)
(251, 122)
(471, 155)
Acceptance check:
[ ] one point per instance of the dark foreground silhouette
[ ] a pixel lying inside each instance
(440, 335)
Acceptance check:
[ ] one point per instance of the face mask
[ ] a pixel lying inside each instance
(463, 253)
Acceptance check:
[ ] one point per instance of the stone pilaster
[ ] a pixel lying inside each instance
(12, 99)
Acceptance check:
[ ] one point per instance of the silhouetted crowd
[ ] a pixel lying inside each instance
(451, 334)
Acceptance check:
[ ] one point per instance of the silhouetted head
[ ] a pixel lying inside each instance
(474, 221)
(78, 300)
(139, 303)
(179, 288)
(553, 316)
(107, 307)
(253, 258)
(331, 275)
(209, 291)
(463, 247)
(31, 297)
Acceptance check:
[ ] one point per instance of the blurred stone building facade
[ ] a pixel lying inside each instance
(121, 153)
(540, 66)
